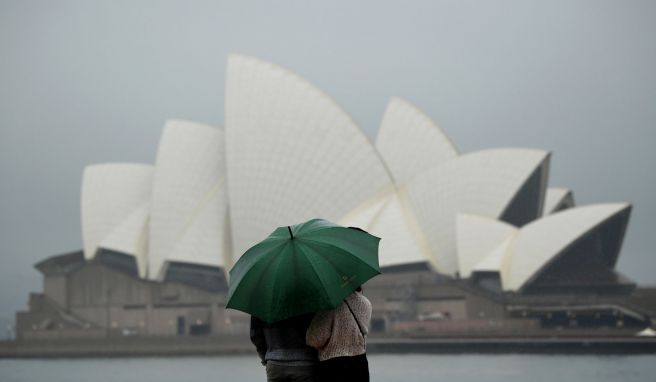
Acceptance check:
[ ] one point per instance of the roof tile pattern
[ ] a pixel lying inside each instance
(189, 200)
(410, 142)
(112, 196)
(292, 153)
(481, 183)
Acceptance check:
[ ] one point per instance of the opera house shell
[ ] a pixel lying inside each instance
(288, 153)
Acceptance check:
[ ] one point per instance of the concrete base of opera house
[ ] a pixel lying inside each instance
(102, 309)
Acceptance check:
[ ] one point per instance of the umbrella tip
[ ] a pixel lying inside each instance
(290, 232)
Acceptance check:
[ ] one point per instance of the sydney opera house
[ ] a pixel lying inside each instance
(471, 242)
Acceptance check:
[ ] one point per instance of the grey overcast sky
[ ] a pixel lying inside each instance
(84, 82)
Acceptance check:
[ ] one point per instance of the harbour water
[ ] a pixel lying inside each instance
(384, 368)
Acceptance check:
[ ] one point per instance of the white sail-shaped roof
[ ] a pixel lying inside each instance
(111, 195)
(557, 199)
(540, 243)
(201, 243)
(292, 153)
(481, 183)
(189, 203)
(477, 237)
(410, 142)
(393, 221)
(497, 260)
(363, 216)
(131, 236)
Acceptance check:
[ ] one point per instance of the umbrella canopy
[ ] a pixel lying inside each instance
(301, 269)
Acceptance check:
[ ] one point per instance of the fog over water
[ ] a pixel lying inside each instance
(84, 82)
(383, 368)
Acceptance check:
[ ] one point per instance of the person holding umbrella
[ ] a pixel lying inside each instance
(297, 271)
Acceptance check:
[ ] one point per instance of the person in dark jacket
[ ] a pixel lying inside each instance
(282, 349)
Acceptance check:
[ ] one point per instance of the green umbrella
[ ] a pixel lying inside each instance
(302, 269)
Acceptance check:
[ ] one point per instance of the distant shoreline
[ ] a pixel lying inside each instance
(199, 346)
(515, 345)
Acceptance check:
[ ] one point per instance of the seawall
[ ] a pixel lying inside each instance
(231, 345)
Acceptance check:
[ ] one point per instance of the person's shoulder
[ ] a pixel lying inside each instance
(361, 299)
(359, 296)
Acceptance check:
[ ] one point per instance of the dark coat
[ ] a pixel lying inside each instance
(283, 340)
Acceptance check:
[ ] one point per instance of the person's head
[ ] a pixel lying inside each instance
(359, 289)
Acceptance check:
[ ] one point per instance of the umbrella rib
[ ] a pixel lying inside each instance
(275, 282)
(307, 258)
(270, 259)
(341, 250)
(250, 261)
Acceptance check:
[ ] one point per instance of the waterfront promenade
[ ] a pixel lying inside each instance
(231, 345)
